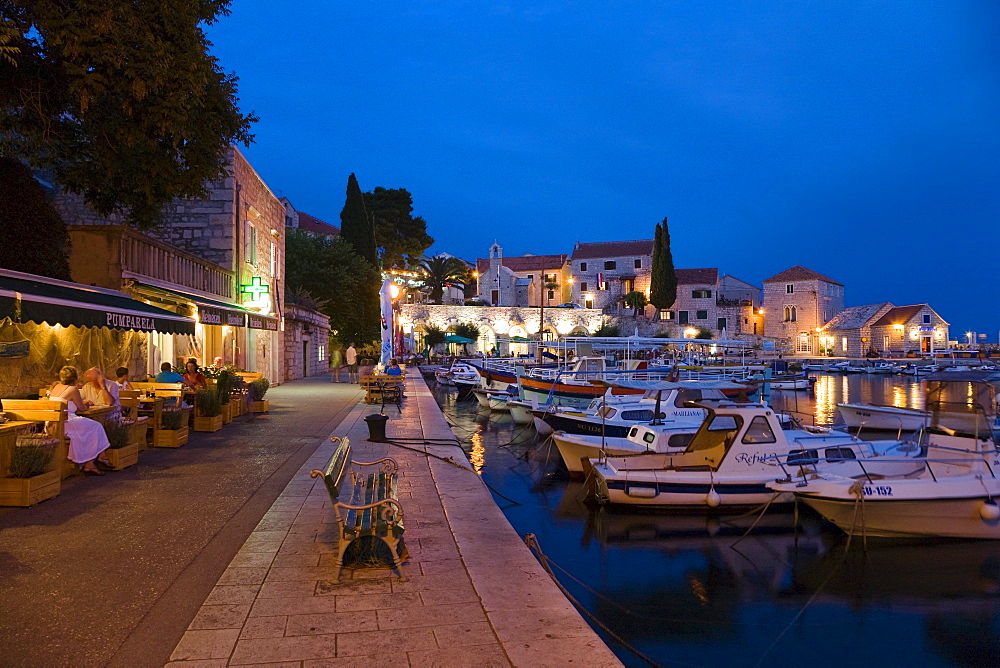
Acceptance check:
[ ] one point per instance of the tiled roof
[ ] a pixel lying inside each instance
(317, 226)
(799, 273)
(899, 315)
(697, 276)
(550, 263)
(603, 249)
(855, 316)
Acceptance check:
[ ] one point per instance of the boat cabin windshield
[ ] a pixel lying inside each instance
(718, 430)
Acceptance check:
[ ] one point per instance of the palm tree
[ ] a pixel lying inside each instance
(440, 271)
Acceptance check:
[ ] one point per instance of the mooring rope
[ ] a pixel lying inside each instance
(532, 542)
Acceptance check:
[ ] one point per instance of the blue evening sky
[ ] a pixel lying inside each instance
(859, 139)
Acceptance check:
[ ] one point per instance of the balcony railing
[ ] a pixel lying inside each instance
(142, 255)
(733, 302)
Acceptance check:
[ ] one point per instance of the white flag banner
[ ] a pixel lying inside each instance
(385, 302)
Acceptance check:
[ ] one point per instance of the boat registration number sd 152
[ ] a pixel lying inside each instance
(883, 490)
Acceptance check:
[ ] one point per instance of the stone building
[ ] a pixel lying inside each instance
(604, 272)
(916, 328)
(220, 258)
(707, 300)
(797, 302)
(849, 333)
(300, 220)
(498, 325)
(307, 342)
(521, 281)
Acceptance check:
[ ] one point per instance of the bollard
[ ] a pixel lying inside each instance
(376, 427)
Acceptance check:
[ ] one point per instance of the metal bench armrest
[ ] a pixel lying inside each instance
(393, 513)
(389, 464)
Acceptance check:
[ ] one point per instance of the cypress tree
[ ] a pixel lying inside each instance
(35, 238)
(663, 277)
(356, 226)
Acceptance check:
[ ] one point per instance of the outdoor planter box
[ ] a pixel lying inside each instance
(170, 438)
(137, 433)
(208, 423)
(121, 458)
(29, 491)
(227, 413)
(238, 405)
(260, 406)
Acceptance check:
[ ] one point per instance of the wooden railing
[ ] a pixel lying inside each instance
(142, 255)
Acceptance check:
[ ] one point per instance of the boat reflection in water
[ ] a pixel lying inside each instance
(684, 589)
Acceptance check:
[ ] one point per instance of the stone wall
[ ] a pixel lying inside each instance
(303, 326)
(816, 302)
(500, 320)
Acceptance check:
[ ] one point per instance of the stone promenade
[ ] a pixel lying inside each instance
(475, 595)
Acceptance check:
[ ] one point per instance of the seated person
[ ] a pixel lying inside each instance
(121, 374)
(393, 369)
(99, 391)
(194, 378)
(168, 375)
(367, 368)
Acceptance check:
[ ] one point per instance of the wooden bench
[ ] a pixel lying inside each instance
(373, 509)
(378, 386)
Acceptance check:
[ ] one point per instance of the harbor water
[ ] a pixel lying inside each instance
(702, 590)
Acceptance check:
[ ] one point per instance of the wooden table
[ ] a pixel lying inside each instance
(97, 413)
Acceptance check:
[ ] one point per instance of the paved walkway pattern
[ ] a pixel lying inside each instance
(475, 594)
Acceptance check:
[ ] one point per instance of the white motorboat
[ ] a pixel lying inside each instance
(882, 368)
(494, 400)
(667, 436)
(520, 411)
(614, 414)
(961, 401)
(728, 462)
(790, 384)
(456, 373)
(949, 493)
(875, 416)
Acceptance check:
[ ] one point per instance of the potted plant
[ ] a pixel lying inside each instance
(173, 432)
(224, 385)
(258, 389)
(32, 476)
(208, 411)
(123, 451)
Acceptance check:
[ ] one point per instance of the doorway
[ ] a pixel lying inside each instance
(305, 358)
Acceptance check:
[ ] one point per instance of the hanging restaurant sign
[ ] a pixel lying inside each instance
(255, 321)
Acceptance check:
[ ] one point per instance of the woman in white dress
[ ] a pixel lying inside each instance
(87, 440)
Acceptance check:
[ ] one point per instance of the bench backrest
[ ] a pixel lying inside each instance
(161, 389)
(334, 471)
(249, 376)
(40, 410)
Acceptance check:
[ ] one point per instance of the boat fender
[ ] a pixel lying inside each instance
(713, 499)
(989, 511)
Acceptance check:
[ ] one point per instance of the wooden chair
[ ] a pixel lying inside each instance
(54, 414)
(129, 400)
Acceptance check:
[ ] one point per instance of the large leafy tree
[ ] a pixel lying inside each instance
(26, 214)
(440, 271)
(635, 300)
(356, 225)
(397, 230)
(344, 284)
(663, 276)
(119, 99)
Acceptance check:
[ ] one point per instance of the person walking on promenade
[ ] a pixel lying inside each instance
(351, 357)
(336, 362)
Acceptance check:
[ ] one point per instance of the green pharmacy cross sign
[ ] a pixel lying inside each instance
(258, 292)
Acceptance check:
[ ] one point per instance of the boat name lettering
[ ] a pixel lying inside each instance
(878, 491)
(750, 458)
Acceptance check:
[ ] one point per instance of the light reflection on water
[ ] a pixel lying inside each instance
(833, 389)
(686, 589)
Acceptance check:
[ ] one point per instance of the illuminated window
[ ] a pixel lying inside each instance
(666, 315)
(843, 344)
